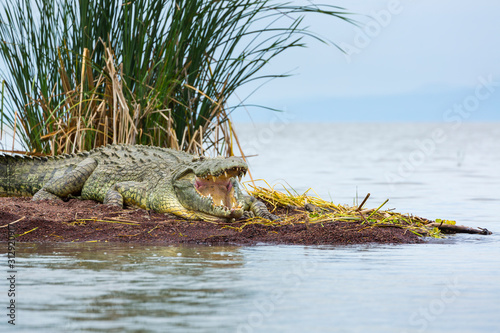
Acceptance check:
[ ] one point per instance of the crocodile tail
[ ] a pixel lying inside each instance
(22, 175)
(6, 164)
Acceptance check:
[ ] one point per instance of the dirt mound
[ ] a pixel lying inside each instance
(88, 221)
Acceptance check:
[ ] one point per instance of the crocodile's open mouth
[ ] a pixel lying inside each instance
(220, 189)
(209, 189)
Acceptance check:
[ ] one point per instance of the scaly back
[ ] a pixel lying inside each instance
(25, 175)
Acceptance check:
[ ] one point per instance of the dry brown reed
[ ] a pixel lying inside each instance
(108, 118)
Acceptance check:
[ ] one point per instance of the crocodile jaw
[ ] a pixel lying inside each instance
(219, 189)
(211, 197)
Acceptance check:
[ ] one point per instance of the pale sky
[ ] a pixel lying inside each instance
(410, 61)
(416, 51)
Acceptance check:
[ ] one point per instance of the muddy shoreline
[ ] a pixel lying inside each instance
(89, 221)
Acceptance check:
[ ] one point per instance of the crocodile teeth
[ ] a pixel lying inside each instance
(239, 177)
(225, 174)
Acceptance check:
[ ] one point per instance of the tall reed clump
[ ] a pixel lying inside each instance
(81, 74)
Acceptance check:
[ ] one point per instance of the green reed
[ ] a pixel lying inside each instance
(81, 74)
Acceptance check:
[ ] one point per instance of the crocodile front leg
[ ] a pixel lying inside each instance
(70, 183)
(129, 193)
(257, 208)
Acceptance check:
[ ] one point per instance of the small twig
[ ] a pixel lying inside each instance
(153, 228)
(18, 220)
(121, 220)
(363, 202)
(96, 220)
(367, 211)
(362, 213)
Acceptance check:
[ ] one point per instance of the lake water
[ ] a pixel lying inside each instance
(431, 170)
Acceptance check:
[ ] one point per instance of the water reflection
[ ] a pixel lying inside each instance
(97, 286)
(134, 288)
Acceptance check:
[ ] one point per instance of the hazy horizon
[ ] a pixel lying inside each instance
(406, 61)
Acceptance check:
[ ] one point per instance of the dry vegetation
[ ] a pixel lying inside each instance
(297, 208)
(81, 74)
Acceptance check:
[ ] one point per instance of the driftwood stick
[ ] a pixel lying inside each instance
(363, 202)
(450, 228)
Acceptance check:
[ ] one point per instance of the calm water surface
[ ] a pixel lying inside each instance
(450, 285)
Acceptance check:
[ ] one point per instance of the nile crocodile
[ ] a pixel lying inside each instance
(152, 178)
